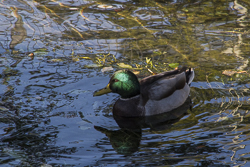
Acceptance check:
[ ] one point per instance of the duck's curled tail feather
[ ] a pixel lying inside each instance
(189, 75)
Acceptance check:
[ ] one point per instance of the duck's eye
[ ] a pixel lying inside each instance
(115, 80)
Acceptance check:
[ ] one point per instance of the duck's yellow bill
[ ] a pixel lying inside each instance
(102, 91)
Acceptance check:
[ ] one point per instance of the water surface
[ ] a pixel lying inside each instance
(50, 117)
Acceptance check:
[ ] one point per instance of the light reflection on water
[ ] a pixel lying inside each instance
(48, 114)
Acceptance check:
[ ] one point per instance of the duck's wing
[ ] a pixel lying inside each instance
(165, 84)
(153, 78)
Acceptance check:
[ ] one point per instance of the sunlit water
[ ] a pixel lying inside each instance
(50, 117)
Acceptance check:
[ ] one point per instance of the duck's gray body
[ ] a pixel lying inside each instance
(158, 94)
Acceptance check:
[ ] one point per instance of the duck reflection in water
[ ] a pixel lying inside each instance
(127, 139)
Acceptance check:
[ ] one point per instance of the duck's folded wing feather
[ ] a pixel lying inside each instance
(153, 78)
(164, 87)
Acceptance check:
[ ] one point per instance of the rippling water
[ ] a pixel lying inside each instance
(52, 59)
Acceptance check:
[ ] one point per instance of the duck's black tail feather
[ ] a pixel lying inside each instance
(189, 75)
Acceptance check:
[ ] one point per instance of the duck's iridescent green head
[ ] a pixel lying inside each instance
(123, 82)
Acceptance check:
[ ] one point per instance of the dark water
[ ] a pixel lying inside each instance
(49, 117)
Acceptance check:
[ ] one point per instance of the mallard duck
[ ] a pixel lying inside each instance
(152, 95)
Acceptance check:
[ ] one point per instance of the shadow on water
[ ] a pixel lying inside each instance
(127, 139)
